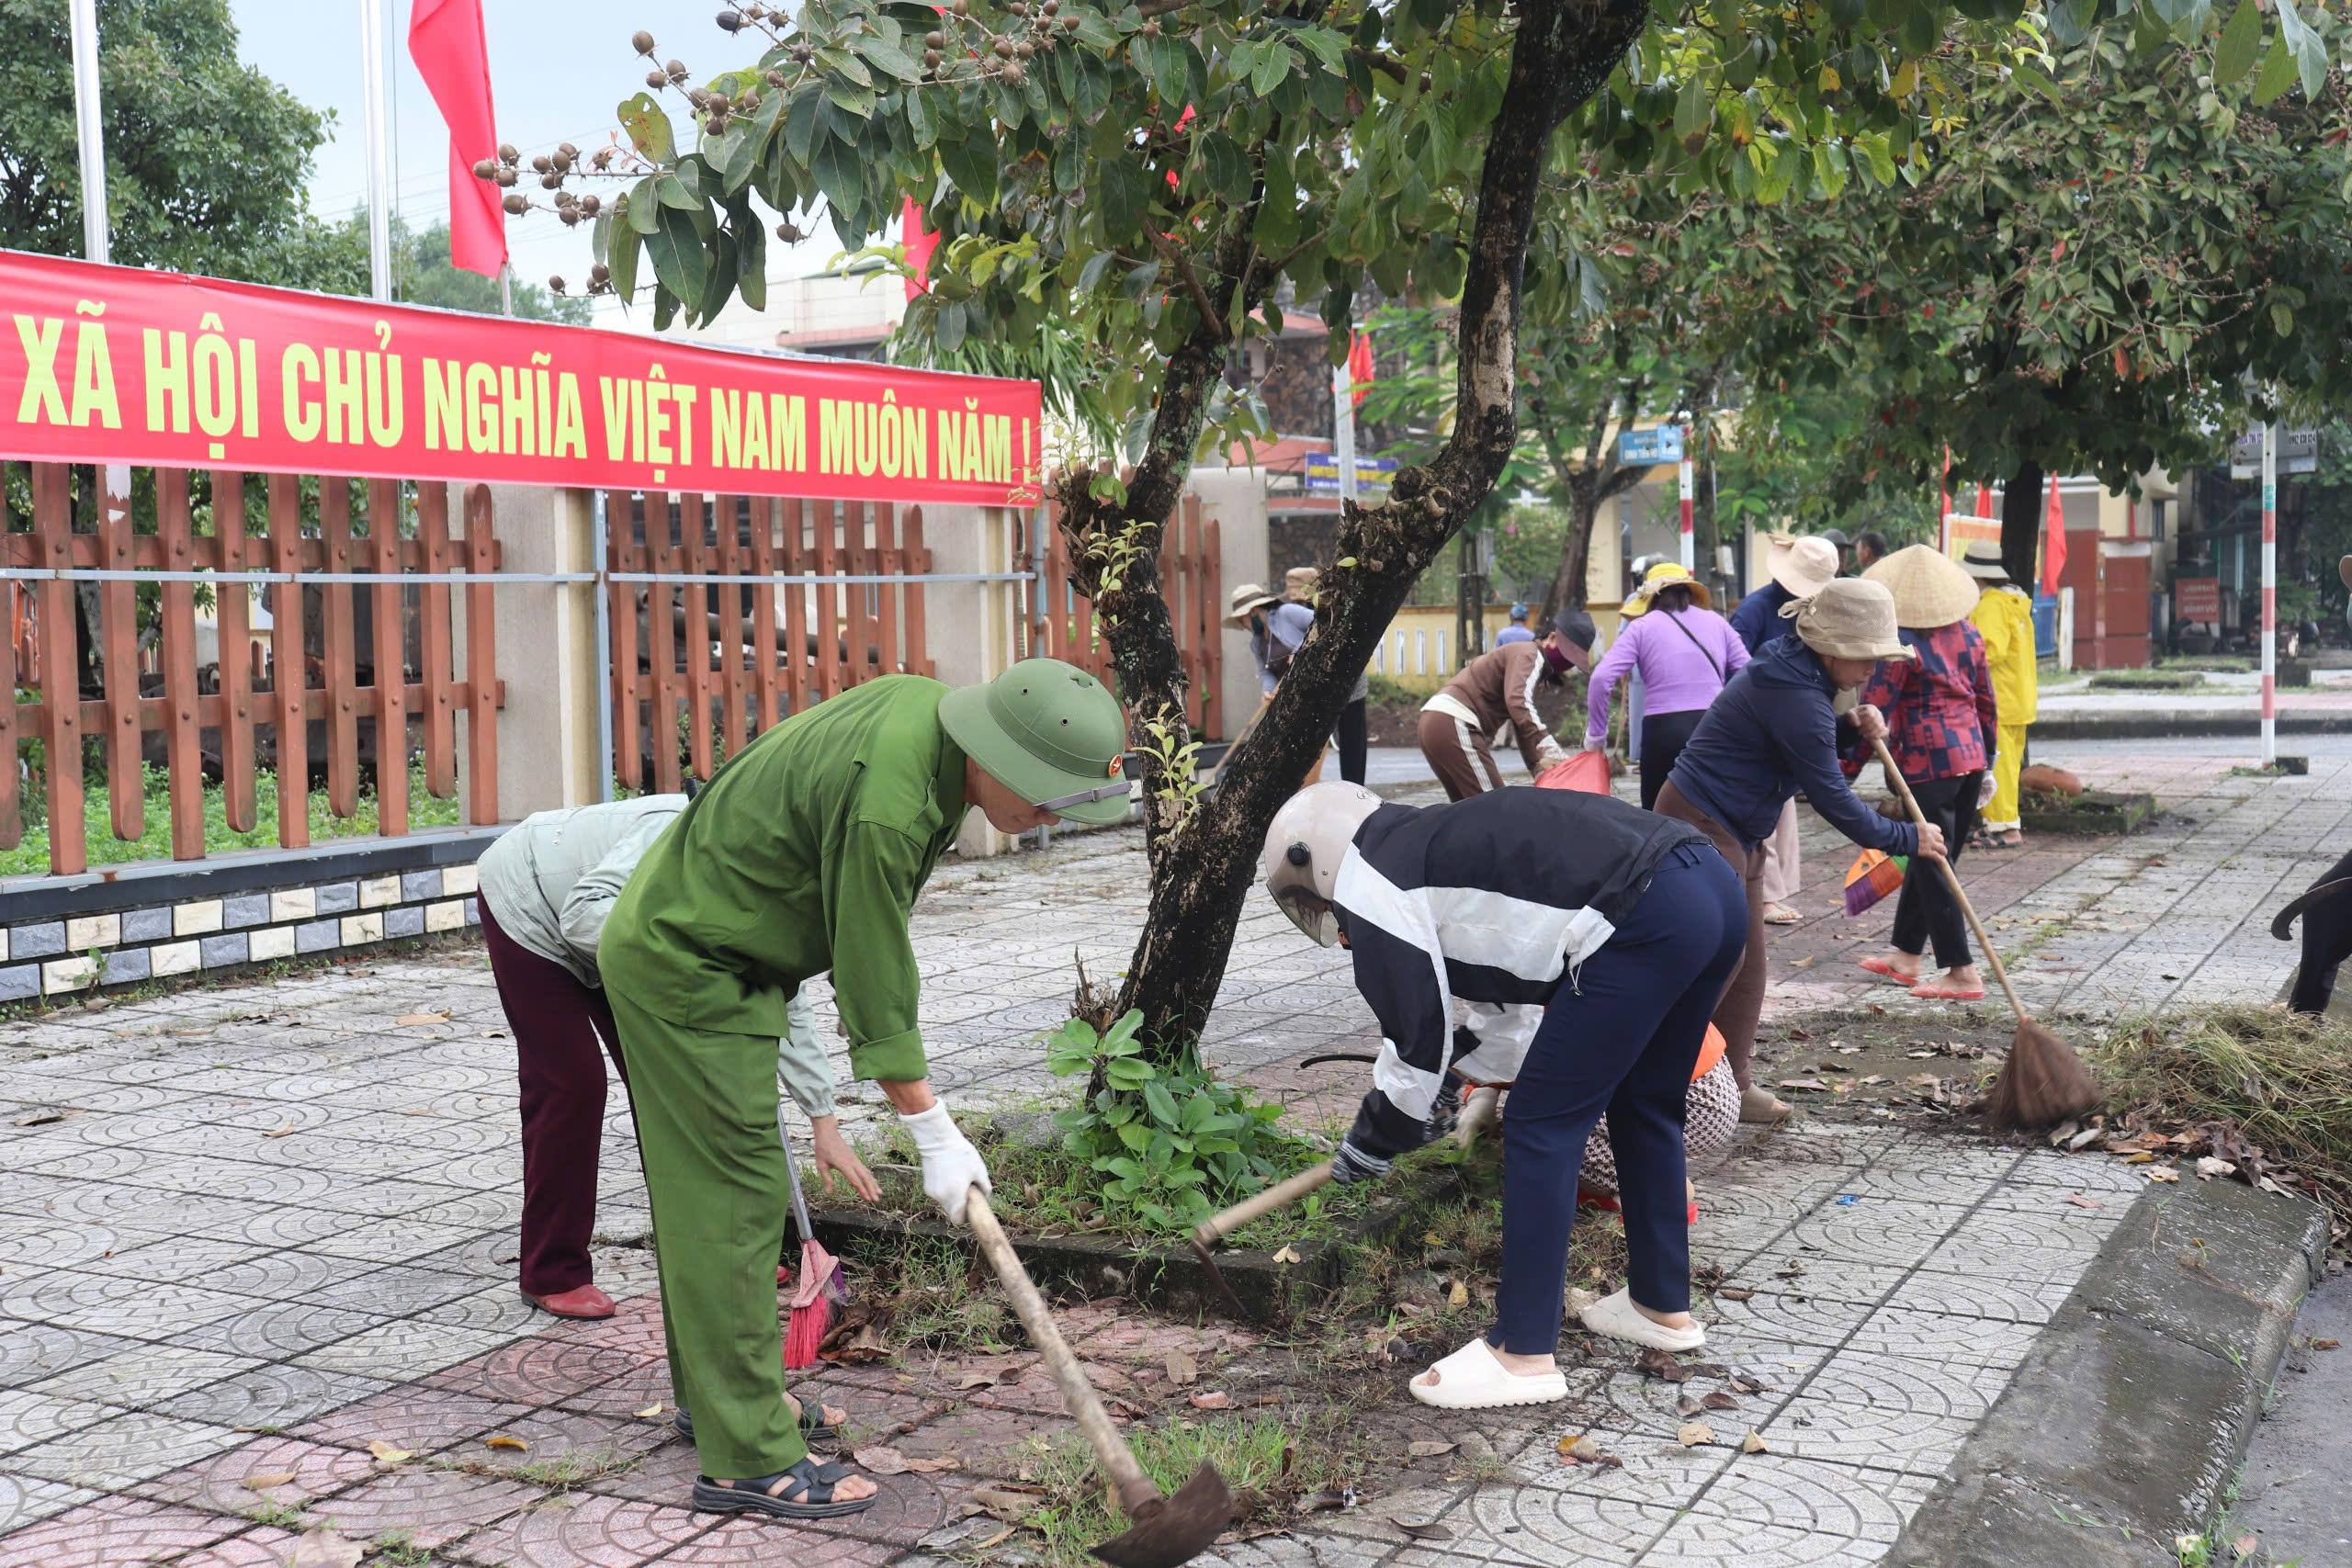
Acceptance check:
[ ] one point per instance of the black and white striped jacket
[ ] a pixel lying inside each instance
(1495, 899)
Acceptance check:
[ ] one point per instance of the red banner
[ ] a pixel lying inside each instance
(2197, 601)
(115, 365)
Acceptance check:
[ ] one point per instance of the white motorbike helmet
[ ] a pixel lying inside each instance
(1307, 841)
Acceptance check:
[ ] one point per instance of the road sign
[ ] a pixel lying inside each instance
(2197, 601)
(1322, 474)
(1661, 444)
(2298, 453)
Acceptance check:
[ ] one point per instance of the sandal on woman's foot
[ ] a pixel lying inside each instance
(584, 1302)
(1885, 970)
(1473, 1378)
(1617, 1317)
(814, 1427)
(1780, 915)
(810, 1496)
(1757, 1103)
(1939, 992)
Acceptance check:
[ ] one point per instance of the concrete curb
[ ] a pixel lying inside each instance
(2132, 1414)
(2158, 726)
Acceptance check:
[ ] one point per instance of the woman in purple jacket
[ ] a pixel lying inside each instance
(1685, 652)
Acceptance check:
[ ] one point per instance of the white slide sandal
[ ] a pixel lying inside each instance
(1617, 1317)
(1474, 1379)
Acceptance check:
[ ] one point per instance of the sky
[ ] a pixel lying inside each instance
(556, 76)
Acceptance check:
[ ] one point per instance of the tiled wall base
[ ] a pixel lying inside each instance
(77, 953)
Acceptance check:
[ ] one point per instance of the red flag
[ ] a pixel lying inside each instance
(445, 40)
(921, 241)
(1360, 367)
(2054, 549)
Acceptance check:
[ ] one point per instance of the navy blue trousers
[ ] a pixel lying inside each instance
(1619, 1038)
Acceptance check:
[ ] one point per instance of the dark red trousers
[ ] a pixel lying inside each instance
(557, 1021)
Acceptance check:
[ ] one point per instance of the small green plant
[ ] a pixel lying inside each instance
(281, 1517)
(575, 1467)
(1181, 790)
(1173, 1145)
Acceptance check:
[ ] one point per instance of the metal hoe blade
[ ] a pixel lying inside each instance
(1175, 1530)
(1217, 1278)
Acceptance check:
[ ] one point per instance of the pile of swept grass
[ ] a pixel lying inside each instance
(2281, 1080)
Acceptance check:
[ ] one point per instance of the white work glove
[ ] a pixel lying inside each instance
(951, 1166)
(1549, 755)
(1987, 787)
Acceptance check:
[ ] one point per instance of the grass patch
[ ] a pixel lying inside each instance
(2281, 1080)
(2212, 664)
(1268, 1462)
(571, 1469)
(2171, 678)
(31, 857)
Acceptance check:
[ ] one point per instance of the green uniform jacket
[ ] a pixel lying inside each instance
(804, 854)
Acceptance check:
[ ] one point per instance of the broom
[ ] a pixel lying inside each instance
(2043, 1082)
(821, 1291)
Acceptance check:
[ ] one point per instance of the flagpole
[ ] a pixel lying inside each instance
(380, 212)
(2270, 594)
(89, 130)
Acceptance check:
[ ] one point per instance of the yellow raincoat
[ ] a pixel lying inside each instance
(2004, 618)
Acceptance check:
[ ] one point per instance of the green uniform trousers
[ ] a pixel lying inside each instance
(706, 1105)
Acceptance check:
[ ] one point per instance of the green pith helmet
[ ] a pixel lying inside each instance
(1049, 732)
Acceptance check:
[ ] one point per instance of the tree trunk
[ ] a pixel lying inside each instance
(1570, 584)
(2022, 504)
(1203, 860)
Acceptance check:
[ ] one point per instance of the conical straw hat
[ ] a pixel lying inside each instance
(1930, 588)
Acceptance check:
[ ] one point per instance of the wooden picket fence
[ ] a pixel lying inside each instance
(768, 646)
(1063, 625)
(212, 720)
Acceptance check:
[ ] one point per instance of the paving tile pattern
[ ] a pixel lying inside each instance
(271, 1223)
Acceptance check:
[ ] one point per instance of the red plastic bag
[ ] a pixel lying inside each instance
(1587, 770)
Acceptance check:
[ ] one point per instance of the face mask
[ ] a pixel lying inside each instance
(1555, 663)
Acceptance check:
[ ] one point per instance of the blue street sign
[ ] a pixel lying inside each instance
(1660, 443)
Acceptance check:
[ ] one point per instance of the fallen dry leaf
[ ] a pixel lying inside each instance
(1216, 1400)
(1181, 1369)
(512, 1445)
(1002, 1504)
(651, 1413)
(410, 1020)
(1737, 1294)
(1425, 1530)
(1803, 1084)
(41, 1118)
(2244, 1546)
(1660, 1363)
(2080, 1201)
(326, 1549)
(1719, 1400)
(1584, 1450)
(1740, 1382)
(2326, 1344)
(387, 1455)
(2163, 1173)
(1430, 1448)
(934, 1464)
(1287, 1254)
(881, 1459)
(1459, 1296)
(1752, 1444)
(971, 1381)
(1690, 1434)
(996, 1539)
(286, 1131)
(2209, 1168)
(1804, 962)
(1875, 1078)
(261, 1481)
(1688, 1406)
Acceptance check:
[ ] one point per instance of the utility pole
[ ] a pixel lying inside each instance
(1690, 495)
(379, 184)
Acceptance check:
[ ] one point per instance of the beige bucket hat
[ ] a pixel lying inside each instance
(1301, 584)
(1930, 588)
(1849, 618)
(1982, 560)
(1249, 596)
(1805, 566)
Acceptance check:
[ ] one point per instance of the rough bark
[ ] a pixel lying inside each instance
(1202, 865)
(1587, 485)
(2022, 513)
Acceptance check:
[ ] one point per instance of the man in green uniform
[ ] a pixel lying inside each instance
(805, 855)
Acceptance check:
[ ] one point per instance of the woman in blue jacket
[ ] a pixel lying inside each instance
(1773, 732)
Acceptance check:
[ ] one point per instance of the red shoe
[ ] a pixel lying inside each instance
(1885, 970)
(585, 1302)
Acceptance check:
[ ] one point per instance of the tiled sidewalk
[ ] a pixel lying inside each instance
(246, 1233)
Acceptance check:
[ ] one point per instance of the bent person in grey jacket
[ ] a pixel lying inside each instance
(546, 888)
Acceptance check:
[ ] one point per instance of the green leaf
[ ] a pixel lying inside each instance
(678, 258)
(920, 124)
(1126, 1072)
(800, 126)
(2277, 73)
(1163, 1107)
(970, 162)
(1125, 194)
(644, 206)
(891, 58)
(2241, 43)
(2028, 77)
(2282, 319)
(1274, 67)
(2311, 54)
(620, 260)
(1090, 277)
(671, 191)
(1692, 109)
(1137, 1136)
(751, 261)
(1171, 69)
(2070, 22)
(648, 128)
(738, 155)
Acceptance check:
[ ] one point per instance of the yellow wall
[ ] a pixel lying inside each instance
(1421, 649)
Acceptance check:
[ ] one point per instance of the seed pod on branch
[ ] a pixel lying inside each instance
(487, 169)
(730, 21)
(555, 285)
(642, 41)
(509, 153)
(517, 202)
